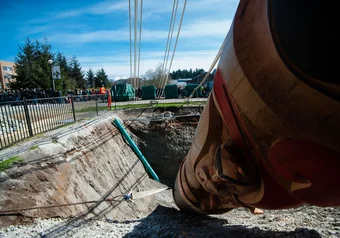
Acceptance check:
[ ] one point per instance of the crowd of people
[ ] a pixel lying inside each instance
(11, 95)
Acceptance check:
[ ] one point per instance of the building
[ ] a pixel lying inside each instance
(180, 82)
(6, 73)
(198, 79)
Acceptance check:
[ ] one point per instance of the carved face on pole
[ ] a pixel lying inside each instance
(269, 135)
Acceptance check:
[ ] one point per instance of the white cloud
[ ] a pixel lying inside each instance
(211, 6)
(209, 29)
(94, 36)
(96, 9)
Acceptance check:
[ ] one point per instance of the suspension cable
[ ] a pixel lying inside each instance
(168, 43)
(217, 57)
(173, 53)
(140, 38)
(130, 40)
(135, 44)
(113, 199)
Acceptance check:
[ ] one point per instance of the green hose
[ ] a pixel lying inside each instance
(135, 149)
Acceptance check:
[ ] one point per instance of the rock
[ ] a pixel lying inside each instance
(3, 176)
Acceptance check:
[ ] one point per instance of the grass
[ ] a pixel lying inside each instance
(66, 124)
(5, 164)
(132, 106)
(159, 105)
(34, 147)
(91, 109)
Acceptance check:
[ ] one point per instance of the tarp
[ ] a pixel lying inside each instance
(171, 91)
(190, 88)
(210, 85)
(122, 92)
(148, 92)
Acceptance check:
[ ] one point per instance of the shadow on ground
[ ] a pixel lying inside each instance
(169, 222)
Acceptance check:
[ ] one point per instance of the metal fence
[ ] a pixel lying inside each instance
(25, 118)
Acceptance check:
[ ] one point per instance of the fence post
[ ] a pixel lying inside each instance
(74, 113)
(115, 102)
(97, 105)
(28, 119)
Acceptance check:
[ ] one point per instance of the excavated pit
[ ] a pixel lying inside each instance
(165, 144)
(91, 161)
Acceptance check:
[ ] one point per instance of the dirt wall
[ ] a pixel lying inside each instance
(89, 164)
(165, 144)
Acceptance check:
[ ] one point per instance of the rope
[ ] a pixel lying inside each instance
(168, 45)
(119, 198)
(173, 53)
(217, 57)
(135, 44)
(130, 39)
(113, 199)
(140, 38)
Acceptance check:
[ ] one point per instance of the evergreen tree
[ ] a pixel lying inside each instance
(62, 62)
(101, 79)
(66, 81)
(76, 73)
(24, 66)
(44, 69)
(198, 72)
(90, 78)
(31, 66)
(186, 73)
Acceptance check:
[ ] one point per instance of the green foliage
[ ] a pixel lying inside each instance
(178, 74)
(31, 66)
(77, 74)
(34, 147)
(5, 164)
(62, 62)
(101, 79)
(91, 109)
(65, 73)
(90, 77)
(141, 105)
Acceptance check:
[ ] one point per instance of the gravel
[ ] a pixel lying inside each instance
(168, 221)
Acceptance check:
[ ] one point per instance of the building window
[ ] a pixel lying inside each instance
(7, 76)
(7, 68)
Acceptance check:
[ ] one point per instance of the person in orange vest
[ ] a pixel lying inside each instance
(102, 92)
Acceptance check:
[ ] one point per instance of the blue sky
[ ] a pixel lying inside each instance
(97, 32)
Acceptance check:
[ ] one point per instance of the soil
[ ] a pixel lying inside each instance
(91, 161)
(165, 144)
